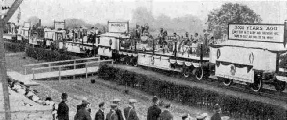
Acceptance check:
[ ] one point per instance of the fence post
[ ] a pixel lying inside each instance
(33, 74)
(74, 77)
(86, 70)
(50, 67)
(59, 73)
(25, 70)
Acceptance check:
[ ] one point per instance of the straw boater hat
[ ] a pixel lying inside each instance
(202, 116)
(116, 100)
(132, 101)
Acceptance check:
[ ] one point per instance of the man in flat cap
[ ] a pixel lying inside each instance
(118, 111)
(84, 100)
(83, 113)
(63, 108)
(154, 111)
(216, 115)
(112, 115)
(100, 115)
(166, 114)
(129, 112)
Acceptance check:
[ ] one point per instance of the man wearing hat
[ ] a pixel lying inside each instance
(154, 111)
(166, 114)
(83, 113)
(63, 109)
(118, 111)
(129, 112)
(84, 100)
(217, 111)
(112, 115)
(100, 115)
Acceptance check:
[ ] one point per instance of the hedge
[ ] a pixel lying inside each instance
(47, 55)
(14, 47)
(193, 96)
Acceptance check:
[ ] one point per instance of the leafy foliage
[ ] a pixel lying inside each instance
(219, 19)
(47, 55)
(193, 96)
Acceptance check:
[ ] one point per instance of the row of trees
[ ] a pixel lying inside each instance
(217, 22)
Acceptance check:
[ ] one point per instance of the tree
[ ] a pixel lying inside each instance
(141, 16)
(33, 20)
(219, 19)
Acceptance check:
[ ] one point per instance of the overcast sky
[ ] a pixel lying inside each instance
(100, 11)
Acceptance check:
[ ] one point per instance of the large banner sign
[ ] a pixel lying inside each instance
(118, 27)
(256, 32)
(59, 25)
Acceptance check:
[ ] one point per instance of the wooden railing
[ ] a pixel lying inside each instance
(61, 68)
(50, 64)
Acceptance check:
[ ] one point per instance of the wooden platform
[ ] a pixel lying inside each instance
(63, 73)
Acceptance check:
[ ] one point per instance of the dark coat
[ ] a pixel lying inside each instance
(216, 116)
(119, 114)
(166, 115)
(130, 114)
(83, 114)
(112, 115)
(153, 112)
(100, 115)
(63, 111)
(81, 106)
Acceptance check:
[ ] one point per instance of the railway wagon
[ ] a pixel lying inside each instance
(109, 43)
(254, 54)
(146, 51)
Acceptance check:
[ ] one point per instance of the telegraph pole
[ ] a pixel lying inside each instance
(3, 71)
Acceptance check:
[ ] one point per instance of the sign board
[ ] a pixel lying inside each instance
(59, 25)
(257, 32)
(118, 27)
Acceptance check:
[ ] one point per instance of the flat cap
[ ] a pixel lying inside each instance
(101, 104)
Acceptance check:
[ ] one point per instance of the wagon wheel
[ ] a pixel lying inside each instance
(199, 73)
(134, 62)
(279, 85)
(127, 60)
(186, 72)
(227, 82)
(257, 85)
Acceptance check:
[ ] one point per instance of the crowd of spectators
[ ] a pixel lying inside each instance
(157, 111)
